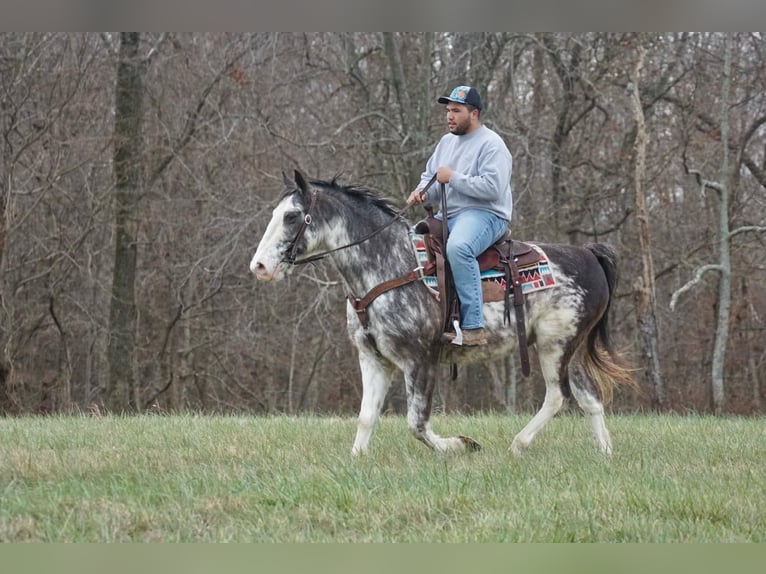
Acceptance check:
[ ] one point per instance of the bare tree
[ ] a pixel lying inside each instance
(644, 287)
(723, 266)
(129, 179)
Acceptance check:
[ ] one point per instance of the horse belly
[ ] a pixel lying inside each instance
(501, 340)
(395, 336)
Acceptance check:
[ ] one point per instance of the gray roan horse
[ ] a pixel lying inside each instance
(369, 243)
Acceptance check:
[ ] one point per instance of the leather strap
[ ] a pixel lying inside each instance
(360, 304)
(450, 308)
(518, 304)
(428, 208)
(290, 254)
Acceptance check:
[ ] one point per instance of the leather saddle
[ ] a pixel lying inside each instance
(505, 255)
(523, 253)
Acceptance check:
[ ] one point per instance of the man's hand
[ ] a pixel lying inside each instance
(443, 174)
(416, 197)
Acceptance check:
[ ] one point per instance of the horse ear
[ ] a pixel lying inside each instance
(286, 180)
(300, 181)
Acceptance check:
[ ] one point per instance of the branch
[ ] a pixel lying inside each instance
(568, 129)
(693, 282)
(754, 127)
(330, 140)
(153, 51)
(701, 181)
(747, 228)
(756, 171)
(710, 127)
(672, 267)
(156, 395)
(191, 122)
(599, 232)
(391, 49)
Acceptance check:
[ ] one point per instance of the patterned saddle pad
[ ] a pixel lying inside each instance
(534, 277)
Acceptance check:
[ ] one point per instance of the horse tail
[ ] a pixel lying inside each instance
(605, 366)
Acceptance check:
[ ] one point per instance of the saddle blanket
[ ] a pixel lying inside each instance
(534, 277)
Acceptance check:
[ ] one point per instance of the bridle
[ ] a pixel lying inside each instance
(291, 254)
(292, 248)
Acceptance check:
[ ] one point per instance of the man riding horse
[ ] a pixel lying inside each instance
(475, 165)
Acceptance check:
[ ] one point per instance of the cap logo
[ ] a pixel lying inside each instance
(465, 95)
(459, 93)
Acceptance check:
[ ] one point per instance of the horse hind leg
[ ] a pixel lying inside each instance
(587, 397)
(552, 365)
(420, 380)
(376, 380)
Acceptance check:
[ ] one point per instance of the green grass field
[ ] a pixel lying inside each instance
(214, 479)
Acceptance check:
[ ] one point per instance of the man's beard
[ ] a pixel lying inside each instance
(461, 129)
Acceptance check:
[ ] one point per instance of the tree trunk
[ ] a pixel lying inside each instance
(644, 288)
(755, 381)
(415, 104)
(397, 78)
(128, 133)
(503, 374)
(724, 255)
(722, 188)
(6, 401)
(567, 72)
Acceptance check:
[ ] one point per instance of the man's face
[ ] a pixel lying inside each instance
(458, 119)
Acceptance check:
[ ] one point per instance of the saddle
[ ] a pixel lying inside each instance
(505, 255)
(523, 253)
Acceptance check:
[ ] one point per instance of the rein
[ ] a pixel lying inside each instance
(290, 256)
(360, 304)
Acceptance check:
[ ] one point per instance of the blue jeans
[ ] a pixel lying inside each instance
(470, 233)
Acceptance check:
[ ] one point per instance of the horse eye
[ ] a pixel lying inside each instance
(292, 217)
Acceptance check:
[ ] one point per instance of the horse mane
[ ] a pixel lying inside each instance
(359, 193)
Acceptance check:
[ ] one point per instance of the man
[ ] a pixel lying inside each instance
(475, 165)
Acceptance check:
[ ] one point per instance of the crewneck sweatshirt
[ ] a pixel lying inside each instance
(481, 172)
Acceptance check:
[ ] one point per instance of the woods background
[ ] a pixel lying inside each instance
(138, 172)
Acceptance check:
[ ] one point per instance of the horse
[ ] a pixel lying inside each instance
(369, 242)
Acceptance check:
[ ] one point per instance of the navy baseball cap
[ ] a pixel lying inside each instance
(463, 95)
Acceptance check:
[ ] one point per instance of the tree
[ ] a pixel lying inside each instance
(53, 198)
(723, 267)
(129, 179)
(644, 287)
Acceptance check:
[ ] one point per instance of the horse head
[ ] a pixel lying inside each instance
(289, 233)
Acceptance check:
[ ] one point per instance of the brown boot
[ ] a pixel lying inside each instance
(471, 338)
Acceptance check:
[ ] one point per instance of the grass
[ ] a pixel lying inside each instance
(191, 478)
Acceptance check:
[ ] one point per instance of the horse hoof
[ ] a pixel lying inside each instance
(470, 444)
(517, 448)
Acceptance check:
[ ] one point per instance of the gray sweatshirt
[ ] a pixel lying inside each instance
(481, 176)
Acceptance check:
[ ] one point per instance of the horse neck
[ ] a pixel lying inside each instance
(383, 256)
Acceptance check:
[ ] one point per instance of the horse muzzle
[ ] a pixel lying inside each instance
(265, 271)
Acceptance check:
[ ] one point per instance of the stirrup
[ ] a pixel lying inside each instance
(455, 338)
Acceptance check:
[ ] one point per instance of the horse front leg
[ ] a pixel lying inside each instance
(376, 380)
(420, 380)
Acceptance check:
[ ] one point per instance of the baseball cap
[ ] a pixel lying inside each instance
(463, 95)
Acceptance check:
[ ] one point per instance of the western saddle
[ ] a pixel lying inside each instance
(505, 255)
